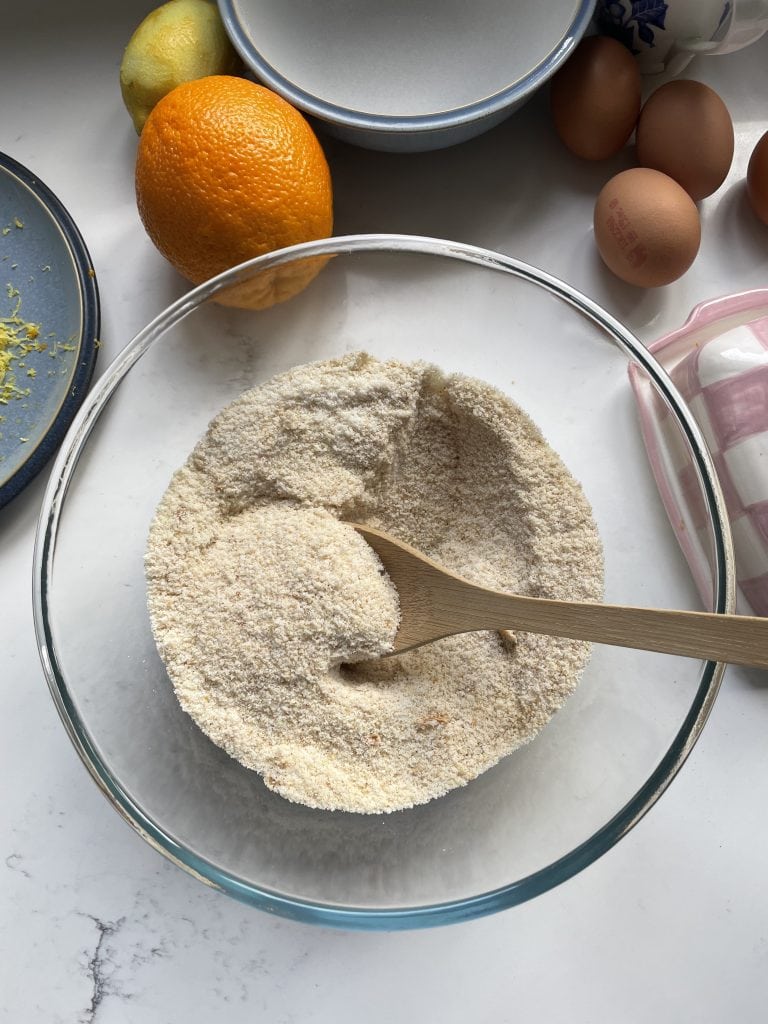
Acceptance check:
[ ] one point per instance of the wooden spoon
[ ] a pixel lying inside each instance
(435, 602)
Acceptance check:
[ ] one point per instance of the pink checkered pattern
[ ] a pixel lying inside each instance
(724, 379)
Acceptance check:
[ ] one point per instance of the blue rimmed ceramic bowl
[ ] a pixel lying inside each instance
(405, 76)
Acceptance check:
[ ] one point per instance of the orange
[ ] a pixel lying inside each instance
(227, 170)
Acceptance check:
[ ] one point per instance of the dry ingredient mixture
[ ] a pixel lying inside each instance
(265, 605)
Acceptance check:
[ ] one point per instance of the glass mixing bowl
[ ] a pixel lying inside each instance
(544, 812)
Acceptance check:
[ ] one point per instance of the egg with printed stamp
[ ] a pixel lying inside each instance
(647, 227)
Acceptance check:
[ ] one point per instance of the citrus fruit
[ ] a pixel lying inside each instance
(227, 170)
(178, 42)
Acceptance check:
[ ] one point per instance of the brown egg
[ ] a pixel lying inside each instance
(595, 98)
(757, 179)
(647, 227)
(685, 131)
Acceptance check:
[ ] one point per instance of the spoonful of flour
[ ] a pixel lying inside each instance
(302, 595)
(269, 611)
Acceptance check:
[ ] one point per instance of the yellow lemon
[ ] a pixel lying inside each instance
(181, 41)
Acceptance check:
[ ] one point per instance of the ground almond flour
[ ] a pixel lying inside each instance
(265, 605)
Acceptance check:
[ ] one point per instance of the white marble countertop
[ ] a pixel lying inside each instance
(669, 926)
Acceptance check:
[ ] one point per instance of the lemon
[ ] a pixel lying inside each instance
(178, 42)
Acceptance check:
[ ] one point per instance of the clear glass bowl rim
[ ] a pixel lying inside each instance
(312, 911)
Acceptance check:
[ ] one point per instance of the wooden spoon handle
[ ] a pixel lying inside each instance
(740, 639)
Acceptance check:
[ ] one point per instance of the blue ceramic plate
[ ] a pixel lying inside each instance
(49, 323)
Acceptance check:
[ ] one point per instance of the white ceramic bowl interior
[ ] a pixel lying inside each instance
(405, 75)
(404, 57)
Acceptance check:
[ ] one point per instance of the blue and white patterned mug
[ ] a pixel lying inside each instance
(666, 36)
